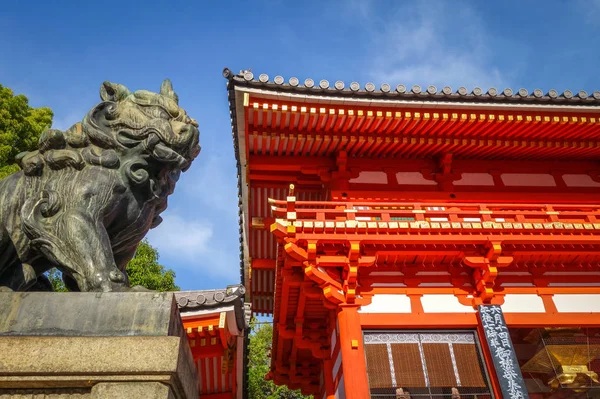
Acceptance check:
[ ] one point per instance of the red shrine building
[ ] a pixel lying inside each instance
(216, 325)
(421, 242)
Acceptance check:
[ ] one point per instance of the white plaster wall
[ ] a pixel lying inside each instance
(523, 303)
(528, 179)
(370, 177)
(573, 180)
(413, 178)
(444, 303)
(388, 303)
(475, 179)
(577, 303)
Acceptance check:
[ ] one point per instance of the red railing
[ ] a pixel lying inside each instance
(436, 212)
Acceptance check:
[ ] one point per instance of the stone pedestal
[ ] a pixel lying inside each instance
(92, 345)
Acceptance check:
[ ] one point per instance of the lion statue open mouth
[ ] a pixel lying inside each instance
(87, 196)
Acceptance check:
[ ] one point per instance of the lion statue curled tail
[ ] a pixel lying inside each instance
(87, 196)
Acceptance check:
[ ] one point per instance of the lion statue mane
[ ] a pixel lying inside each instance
(87, 196)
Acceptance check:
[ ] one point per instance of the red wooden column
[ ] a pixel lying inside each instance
(354, 366)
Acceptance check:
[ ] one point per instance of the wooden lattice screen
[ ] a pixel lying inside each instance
(426, 364)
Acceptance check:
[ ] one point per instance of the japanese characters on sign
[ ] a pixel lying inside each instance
(503, 353)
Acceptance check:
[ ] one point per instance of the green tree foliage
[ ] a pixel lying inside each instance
(20, 128)
(143, 270)
(259, 363)
(56, 279)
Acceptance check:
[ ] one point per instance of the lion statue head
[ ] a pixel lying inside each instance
(149, 128)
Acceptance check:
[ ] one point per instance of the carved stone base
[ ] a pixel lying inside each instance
(126, 345)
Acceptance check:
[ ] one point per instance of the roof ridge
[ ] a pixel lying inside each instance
(401, 91)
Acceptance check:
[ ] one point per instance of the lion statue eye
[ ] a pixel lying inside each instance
(164, 115)
(155, 112)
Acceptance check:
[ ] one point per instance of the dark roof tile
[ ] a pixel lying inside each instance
(189, 301)
(246, 77)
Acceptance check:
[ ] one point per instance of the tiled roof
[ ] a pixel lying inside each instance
(416, 92)
(189, 301)
(387, 92)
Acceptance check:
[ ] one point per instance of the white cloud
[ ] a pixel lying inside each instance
(589, 9)
(190, 244)
(63, 121)
(181, 238)
(430, 42)
(212, 181)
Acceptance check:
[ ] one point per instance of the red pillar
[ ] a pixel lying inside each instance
(354, 365)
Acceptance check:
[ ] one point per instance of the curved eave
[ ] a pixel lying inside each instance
(237, 126)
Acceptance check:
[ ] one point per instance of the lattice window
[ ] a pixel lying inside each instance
(403, 365)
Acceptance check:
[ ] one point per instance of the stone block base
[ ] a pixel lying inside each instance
(103, 390)
(130, 357)
(140, 390)
(96, 367)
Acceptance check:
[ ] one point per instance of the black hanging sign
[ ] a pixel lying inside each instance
(503, 353)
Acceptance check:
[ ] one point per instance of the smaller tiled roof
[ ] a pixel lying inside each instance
(189, 301)
(416, 92)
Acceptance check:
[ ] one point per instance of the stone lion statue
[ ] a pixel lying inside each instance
(87, 196)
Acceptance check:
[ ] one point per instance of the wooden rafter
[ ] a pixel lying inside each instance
(277, 128)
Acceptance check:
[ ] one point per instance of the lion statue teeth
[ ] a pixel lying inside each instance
(87, 196)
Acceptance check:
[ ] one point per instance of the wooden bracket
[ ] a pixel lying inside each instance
(444, 175)
(486, 270)
(351, 271)
(335, 291)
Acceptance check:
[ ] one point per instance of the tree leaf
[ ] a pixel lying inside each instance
(259, 363)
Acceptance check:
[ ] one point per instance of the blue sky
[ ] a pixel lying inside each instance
(58, 53)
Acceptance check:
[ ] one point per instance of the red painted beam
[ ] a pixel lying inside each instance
(263, 264)
(201, 352)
